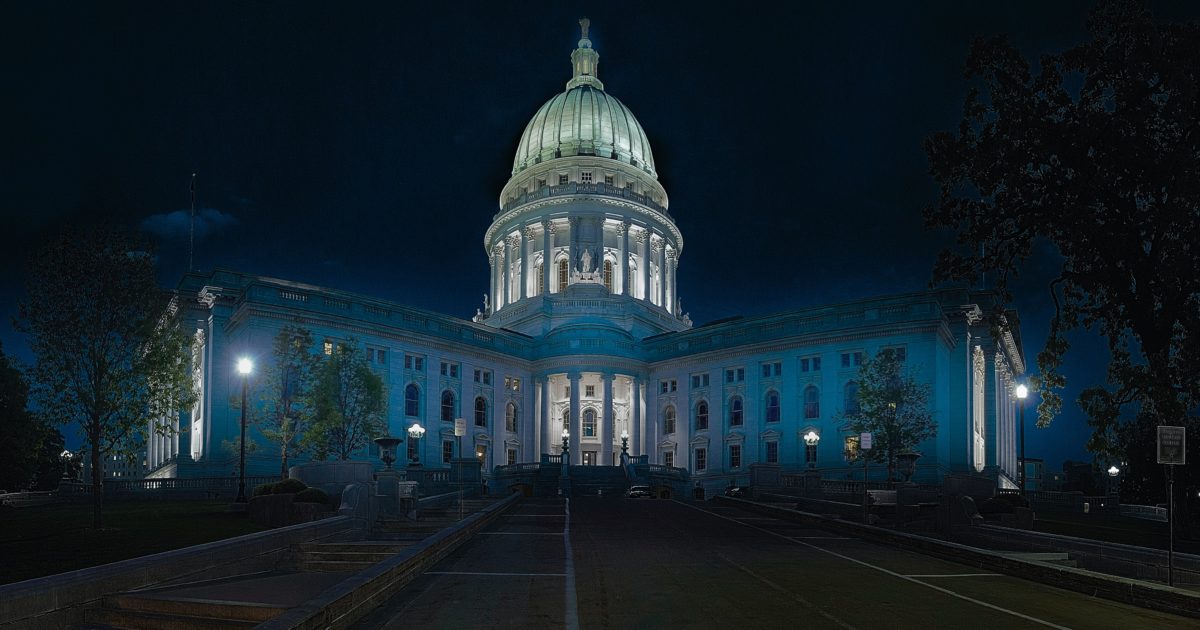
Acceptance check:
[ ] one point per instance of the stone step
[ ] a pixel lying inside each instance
(1060, 558)
(188, 607)
(365, 546)
(331, 566)
(342, 556)
(142, 620)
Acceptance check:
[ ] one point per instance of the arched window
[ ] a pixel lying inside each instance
(510, 417)
(480, 411)
(541, 279)
(447, 406)
(562, 275)
(735, 411)
(608, 275)
(589, 423)
(412, 400)
(566, 419)
(701, 415)
(669, 420)
(812, 402)
(850, 398)
(772, 406)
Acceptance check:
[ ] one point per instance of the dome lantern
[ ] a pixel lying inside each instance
(585, 60)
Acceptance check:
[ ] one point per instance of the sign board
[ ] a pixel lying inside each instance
(864, 440)
(1172, 445)
(460, 427)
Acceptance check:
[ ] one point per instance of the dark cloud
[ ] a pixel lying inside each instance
(176, 225)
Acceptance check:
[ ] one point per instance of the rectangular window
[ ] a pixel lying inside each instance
(735, 455)
(327, 347)
(810, 454)
(483, 376)
(899, 353)
(608, 179)
(562, 179)
(772, 452)
(447, 451)
(413, 362)
(585, 177)
(852, 359)
(810, 364)
(370, 355)
(541, 184)
(669, 459)
(816, 364)
(381, 356)
(512, 456)
(699, 380)
(803, 365)
(516, 385)
(589, 391)
(566, 391)
(770, 370)
(735, 375)
(850, 451)
(450, 369)
(412, 449)
(701, 459)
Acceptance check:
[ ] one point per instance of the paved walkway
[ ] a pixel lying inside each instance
(626, 563)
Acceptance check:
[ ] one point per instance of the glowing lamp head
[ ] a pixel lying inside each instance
(245, 366)
(566, 434)
(624, 434)
(812, 437)
(416, 431)
(1113, 471)
(1022, 392)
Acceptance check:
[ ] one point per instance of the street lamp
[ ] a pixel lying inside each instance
(1022, 392)
(624, 442)
(244, 367)
(811, 438)
(415, 432)
(1113, 471)
(566, 435)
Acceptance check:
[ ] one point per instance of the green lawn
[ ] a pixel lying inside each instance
(49, 539)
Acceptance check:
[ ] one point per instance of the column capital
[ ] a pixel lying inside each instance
(608, 376)
(643, 235)
(549, 226)
(621, 228)
(530, 233)
(574, 376)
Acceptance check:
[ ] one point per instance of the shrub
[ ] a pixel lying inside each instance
(312, 495)
(266, 488)
(288, 486)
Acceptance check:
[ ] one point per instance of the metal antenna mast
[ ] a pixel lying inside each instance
(192, 227)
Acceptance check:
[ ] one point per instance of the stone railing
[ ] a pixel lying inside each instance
(576, 188)
(214, 485)
(1148, 512)
(557, 460)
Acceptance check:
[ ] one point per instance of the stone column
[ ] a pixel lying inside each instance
(623, 258)
(606, 433)
(635, 415)
(551, 427)
(498, 296)
(572, 247)
(643, 238)
(669, 302)
(576, 420)
(656, 248)
(538, 419)
(547, 261)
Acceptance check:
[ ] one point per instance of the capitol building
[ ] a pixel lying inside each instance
(582, 329)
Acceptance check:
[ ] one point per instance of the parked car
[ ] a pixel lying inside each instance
(636, 492)
(736, 492)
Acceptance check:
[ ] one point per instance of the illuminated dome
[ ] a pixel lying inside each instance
(584, 120)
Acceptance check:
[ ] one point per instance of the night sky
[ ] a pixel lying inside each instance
(364, 147)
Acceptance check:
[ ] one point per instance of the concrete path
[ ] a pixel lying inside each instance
(626, 563)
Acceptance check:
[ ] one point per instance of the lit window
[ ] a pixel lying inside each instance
(669, 420)
(585, 177)
(562, 275)
(447, 451)
(772, 452)
(812, 402)
(447, 406)
(701, 415)
(735, 455)
(608, 275)
(480, 411)
(701, 459)
(589, 423)
(412, 400)
(850, 451)
(541, 279)
(328, 347)
(516, 385)
(772, 407)
(510, 418)
(735, 411)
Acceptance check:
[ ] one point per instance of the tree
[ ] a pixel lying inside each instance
(1097, 154)
(286, 409)
(22, 433)
(349, 404)
(111, 355)
(893, 407)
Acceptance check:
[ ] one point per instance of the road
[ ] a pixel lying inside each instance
(643, 563)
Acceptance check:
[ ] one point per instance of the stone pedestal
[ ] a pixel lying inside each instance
(387, 493)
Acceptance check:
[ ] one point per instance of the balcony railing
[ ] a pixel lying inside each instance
(576, 188)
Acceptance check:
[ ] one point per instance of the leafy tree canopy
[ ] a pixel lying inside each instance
(1097, 152)
(111, 355)
(285, 398)
(893, 406)
(349, 404)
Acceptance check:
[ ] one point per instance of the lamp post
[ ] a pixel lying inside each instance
(415, 432)
(1113, 472)
(1022, 392)
(566, 435)
(810, 439)
(624, 442)
(244, 367)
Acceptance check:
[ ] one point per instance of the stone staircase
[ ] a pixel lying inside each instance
(1049, 557)
(606, 481)
(429, 521)
(152, 612)
(343, 557)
